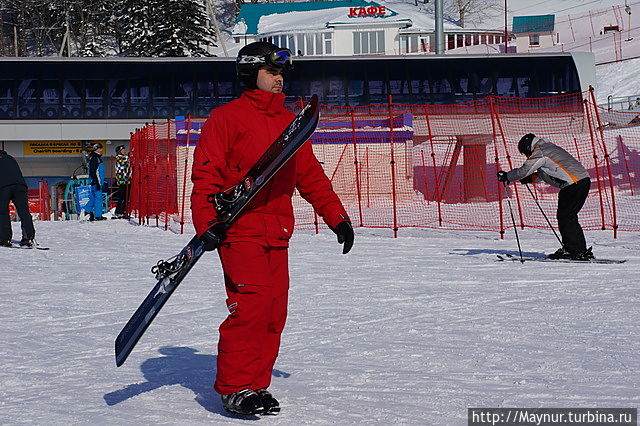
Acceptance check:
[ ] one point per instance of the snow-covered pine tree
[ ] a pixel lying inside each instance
(164, 28)
(184, 29)
(136, 26)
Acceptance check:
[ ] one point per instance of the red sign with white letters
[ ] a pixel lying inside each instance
(355, 12)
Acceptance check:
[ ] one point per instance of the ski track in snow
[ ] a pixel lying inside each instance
(412, 330)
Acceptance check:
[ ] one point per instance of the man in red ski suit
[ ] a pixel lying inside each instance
(253, 250)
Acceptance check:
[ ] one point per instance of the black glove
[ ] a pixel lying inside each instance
(213, 236)
(526, 179)
(502, 176)
(344, 231)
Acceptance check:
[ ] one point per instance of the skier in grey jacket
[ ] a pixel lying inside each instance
(552, 164)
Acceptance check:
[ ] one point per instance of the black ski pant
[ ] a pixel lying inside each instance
(18, 194)
(570, 201)
(121, 195)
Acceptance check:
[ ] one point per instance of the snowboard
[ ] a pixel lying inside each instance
(14, 245)
(228, 204)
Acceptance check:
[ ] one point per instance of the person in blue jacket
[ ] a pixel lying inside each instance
(96, 176)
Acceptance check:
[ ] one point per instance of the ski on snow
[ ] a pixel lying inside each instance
(229, 204)
(507, 256)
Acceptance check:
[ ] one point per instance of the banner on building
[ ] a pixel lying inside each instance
(57, 147)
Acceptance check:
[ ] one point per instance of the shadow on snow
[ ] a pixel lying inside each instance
(182, 366)
(515, 253)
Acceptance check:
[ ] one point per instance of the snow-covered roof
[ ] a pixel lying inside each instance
(255, 18)
(320, 19)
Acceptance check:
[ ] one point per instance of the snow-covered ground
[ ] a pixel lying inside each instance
(412, 330)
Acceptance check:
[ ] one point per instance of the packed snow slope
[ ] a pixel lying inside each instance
(412, 330)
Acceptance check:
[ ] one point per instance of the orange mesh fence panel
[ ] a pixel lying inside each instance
(153, 193)
(396, 166)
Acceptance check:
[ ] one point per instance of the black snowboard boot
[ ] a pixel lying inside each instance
(584, 255)
(245, 401)
(25, 242)
(6, 243)
(271, 405)
(561, 253)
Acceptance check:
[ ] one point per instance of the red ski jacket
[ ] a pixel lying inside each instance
(233, 138)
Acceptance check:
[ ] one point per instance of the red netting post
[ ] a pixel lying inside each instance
(366, 157)
(433, 160)
(147, 177)
(575, 143)
(626, 164)
(130, 202)
(496, 159)
(166, 173)
(144, 160)
(607, 162)
(184, 177)
(156, 174)
(595, 161)
(135, 177)
(393, 170)
(141, 166)
(355, 163)
(494, 114)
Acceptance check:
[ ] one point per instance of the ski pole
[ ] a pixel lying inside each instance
(513, 220)
(543, 214)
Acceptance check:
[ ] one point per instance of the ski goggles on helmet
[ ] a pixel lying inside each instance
(281, 58)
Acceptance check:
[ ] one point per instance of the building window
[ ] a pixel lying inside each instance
(451, 41)
(328, 50)
(534, 40)
(414, 43)
(304, 44)
(424, 44)
(367, 42)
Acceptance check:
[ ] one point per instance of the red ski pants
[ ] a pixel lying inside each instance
(257, 284)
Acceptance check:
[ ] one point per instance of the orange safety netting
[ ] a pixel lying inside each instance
(431, 166)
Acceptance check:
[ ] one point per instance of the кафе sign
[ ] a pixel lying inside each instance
(355, 12)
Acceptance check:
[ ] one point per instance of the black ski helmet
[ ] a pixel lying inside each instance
(524, 146)
(255, 55)
(118, 148)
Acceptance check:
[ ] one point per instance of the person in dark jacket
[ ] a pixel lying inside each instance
(96, 176)
(123, 181)
(555, 166)
(14, 188)
(254, 249)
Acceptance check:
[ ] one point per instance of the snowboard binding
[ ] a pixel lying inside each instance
(225, 201)
(166, 268)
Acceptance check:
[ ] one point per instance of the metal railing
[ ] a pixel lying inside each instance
(623, 103)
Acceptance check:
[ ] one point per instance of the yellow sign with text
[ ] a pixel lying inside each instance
(57, 147)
